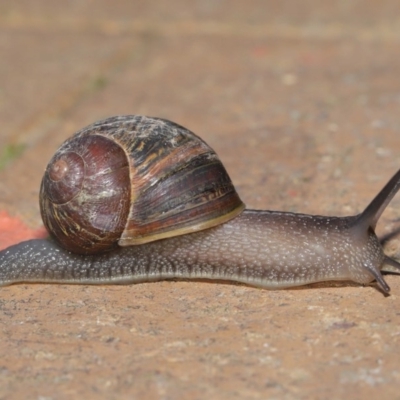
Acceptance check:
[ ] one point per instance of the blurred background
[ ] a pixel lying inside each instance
(300, 100)
(276, 76)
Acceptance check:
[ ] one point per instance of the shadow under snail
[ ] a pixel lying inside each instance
(133, 199)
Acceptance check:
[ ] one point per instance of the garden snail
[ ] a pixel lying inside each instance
(171, 211)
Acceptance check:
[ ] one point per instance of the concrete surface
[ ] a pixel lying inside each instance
(301, 101)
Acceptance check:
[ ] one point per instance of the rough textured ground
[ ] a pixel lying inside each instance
(300, 100)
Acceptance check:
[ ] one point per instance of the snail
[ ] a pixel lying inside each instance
(133, 199)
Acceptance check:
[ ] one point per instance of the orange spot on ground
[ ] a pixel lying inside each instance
(292, 193)
(13, 230)
(260, 51)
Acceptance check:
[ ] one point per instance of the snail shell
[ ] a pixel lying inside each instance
(131, 180)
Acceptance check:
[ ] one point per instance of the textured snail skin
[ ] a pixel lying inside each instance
(261, 248)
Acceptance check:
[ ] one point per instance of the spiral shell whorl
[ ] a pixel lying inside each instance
(86, 209)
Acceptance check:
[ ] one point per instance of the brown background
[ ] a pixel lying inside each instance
(301, 101)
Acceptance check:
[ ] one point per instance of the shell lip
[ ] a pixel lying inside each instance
(128, 238)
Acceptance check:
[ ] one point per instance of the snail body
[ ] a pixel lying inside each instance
(174, 213)
(237, 250)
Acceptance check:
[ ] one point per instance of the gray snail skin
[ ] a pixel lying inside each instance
(134, 199)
